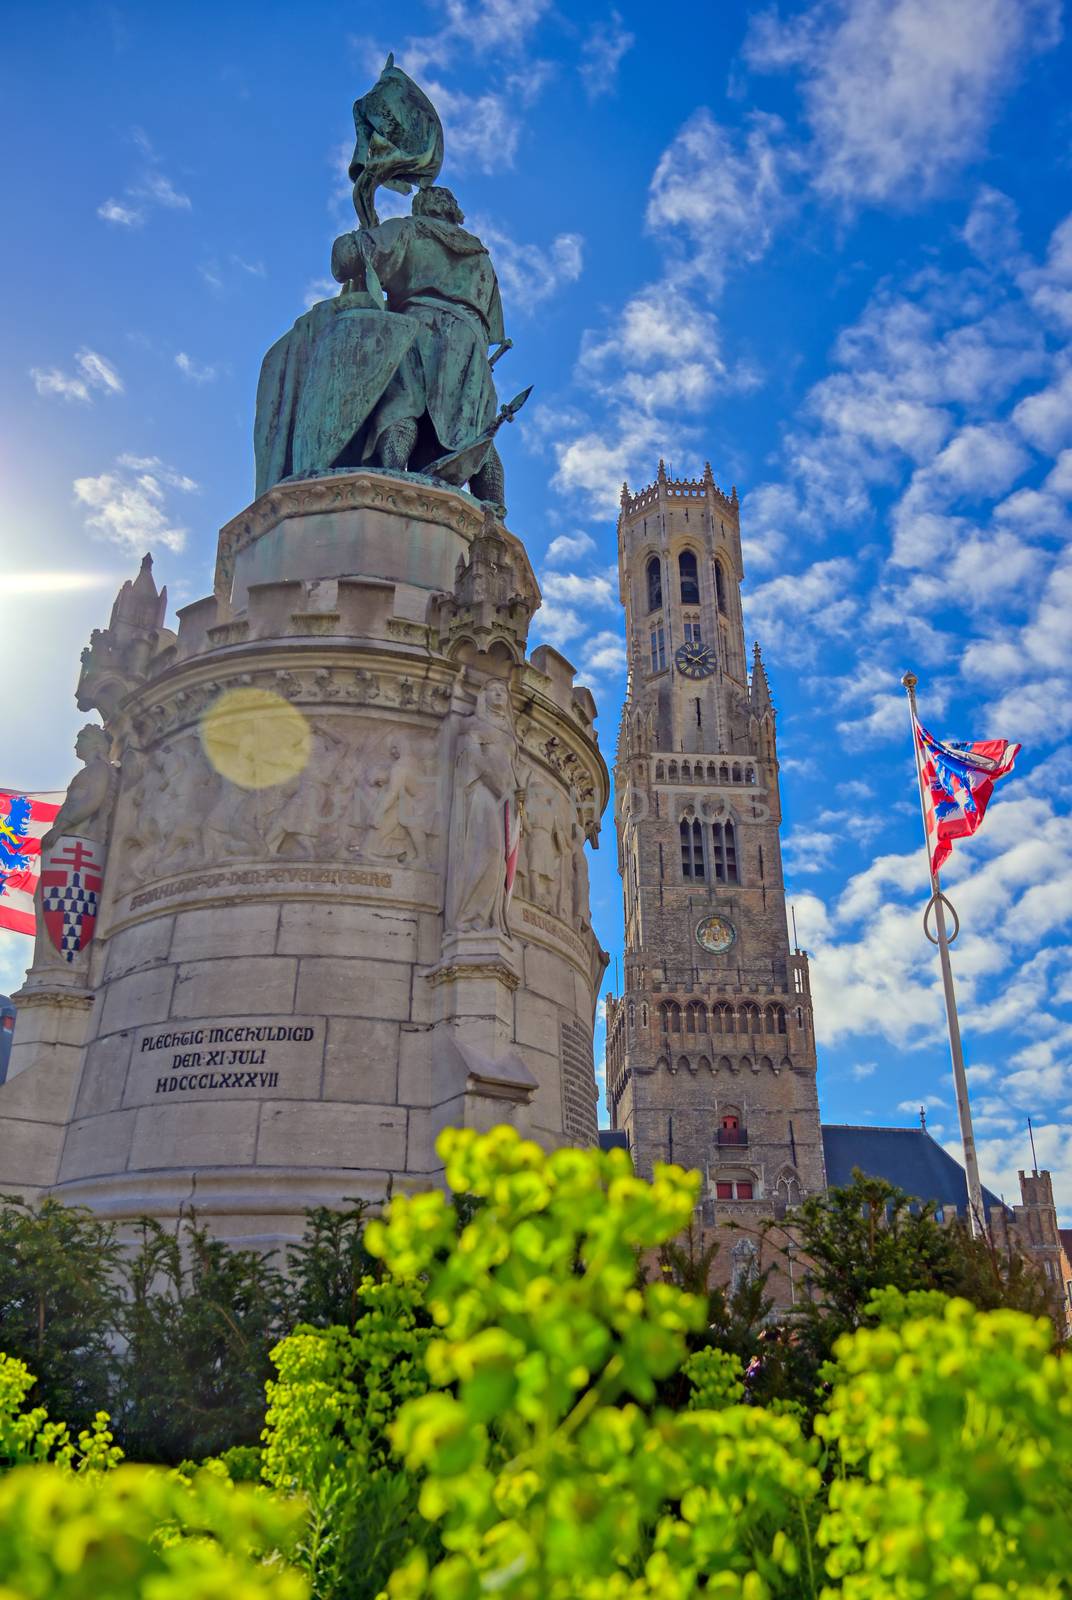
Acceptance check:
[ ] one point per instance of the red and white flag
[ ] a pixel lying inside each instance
(512, 843)
(24, 818)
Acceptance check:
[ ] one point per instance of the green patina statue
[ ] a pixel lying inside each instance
(394, 372)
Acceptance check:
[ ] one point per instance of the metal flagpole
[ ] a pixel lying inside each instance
(976, 1214)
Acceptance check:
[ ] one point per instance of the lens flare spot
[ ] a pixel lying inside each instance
(255, 738)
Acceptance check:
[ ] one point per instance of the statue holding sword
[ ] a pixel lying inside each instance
(394, 372)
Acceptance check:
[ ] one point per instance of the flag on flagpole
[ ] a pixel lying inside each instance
(24, 818)
(958, 780)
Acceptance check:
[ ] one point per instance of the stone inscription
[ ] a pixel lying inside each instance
(247, 1055)
(262, 875)
(538, 919)
(578, 1084)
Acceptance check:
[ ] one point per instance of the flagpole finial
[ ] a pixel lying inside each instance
(909, 681)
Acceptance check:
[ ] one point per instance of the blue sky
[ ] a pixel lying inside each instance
(827, 247)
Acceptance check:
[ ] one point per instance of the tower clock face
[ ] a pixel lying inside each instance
(716, 934)
(695, 660)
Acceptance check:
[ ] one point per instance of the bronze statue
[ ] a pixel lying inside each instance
(394, 372)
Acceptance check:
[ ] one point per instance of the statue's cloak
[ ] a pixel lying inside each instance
(319, 384)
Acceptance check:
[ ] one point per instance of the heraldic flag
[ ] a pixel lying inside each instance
(958, 780)
(24, 818)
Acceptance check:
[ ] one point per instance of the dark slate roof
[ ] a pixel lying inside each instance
(613, 1139)
(907, 1157)
(1066, 1242)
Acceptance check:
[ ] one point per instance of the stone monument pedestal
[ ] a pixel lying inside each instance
(278, 1012)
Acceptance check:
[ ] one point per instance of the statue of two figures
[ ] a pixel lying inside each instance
(394, 372)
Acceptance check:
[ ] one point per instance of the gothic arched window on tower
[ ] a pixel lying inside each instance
(720, 589)
(724, 840)
(690, 578)
(723, 1018)
(655, 584)
(692, 856)
(671, 1016)
(658, 649)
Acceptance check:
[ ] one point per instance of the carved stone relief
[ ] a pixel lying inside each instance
(363, 793)
(483, 815)
(548, 850)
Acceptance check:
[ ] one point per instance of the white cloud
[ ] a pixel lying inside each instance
(94, 372)
(159, 189)
(900, 93)
(123, 215)
(863, 1069)
(809, 850)
(555, 624)
(480, 130)
(528, 274)
(50, 381)
(992, 229)
(602, 54)
(929, 1102)
(821, 597)
(1049, 287)
(194, 370)
(1045, 418)
(128, 505)
(585, 589)
(722, 195)
(570, 547)
(604, 655)
(152, 188)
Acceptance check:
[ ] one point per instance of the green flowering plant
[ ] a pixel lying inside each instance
(143, 1532)
(546, 1465)
(326, 1435)
(950, 1433)
(29, 1436)
(716, 1379)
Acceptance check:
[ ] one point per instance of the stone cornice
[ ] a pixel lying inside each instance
(342, 491)
(463, 971)
(54, 999)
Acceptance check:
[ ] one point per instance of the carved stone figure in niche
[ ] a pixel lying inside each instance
(87, 806)
(581, 910)
(392, 818)
(548, 855)
(300, 819)
(73, 855)
(484, 816)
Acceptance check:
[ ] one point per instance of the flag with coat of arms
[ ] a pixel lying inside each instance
(957, 780)
(24, 818)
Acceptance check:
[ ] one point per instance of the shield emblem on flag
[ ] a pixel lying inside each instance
(71, 881)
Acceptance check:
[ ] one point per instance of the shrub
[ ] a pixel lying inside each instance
(142, 1532)
(60, 1302)
(30, 1437)
(546, 1465)
(951, 1443)
(326, 1434)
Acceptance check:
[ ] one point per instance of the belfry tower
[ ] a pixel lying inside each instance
(711, 1047)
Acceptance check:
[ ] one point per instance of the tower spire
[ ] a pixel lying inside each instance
(759, 695)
